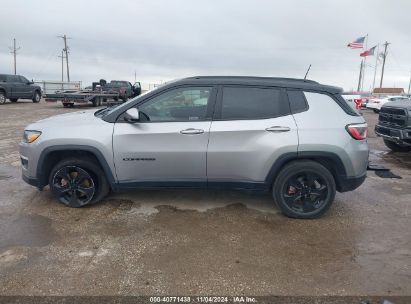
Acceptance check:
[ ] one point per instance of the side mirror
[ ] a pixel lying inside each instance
(132, 115)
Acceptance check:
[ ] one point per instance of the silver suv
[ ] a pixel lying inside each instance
(296, 138)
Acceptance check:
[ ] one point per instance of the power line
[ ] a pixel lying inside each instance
(66, 51)
(14, 52)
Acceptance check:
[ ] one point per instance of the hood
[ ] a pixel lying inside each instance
(64, 120)
(403, 104)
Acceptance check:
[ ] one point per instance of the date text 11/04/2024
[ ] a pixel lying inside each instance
(203, 299)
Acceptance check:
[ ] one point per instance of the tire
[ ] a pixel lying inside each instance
(36, 97)
(72, 174)
(396, 147)
(95, 101)
(304, 189)
(14, 99)
(2, 97)
(376, 111)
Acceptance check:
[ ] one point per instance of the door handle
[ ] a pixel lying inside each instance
(192, 131)
(278, 129)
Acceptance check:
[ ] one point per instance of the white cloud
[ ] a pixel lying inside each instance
(162, 40)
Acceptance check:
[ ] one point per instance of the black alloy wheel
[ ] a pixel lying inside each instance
(305, 192)
(304, 189)
(73, 186)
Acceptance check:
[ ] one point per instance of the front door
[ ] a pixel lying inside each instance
(27, 90)
(168, 146)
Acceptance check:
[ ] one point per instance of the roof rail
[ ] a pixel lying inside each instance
(255, 77)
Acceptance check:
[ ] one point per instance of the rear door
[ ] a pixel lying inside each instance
(169, 145)
(15, 85)
(252, 128)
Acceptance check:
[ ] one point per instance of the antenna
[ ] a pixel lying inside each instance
(306, 73)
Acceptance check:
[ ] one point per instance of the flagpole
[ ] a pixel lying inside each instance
(365, 61)
(359, 78)
(376, 63)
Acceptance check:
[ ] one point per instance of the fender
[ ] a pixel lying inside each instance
(332, 159)
(78, 148)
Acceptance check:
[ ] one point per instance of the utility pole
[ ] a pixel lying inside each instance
(62, 65)
(14, 52)
(66, 51)
(409, 86)
(383, 62)
(375, 67)
(360, 77)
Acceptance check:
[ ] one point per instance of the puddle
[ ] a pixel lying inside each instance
(25, 230)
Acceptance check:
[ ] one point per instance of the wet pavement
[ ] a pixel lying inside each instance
(191, 242)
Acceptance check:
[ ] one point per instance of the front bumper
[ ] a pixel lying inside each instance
(32, 181)
(400, 136)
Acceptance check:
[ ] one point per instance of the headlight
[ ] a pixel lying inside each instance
(30, 136)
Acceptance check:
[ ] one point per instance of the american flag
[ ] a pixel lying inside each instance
(357, 44)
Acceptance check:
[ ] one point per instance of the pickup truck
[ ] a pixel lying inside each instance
(394, 125)
(14, 87)
(123, 88)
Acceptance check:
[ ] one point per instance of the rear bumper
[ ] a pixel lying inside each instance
(401, 136)
(345, 184)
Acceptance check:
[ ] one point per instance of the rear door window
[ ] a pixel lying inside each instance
(252, 103)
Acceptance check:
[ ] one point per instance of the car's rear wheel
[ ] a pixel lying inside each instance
(78, 182)
(36, 97)
(396, 147)
(2, 97)
(304, 189)
(14, 99)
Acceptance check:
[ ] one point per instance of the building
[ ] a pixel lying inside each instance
(388, 91)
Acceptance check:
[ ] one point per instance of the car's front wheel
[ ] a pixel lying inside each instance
(304, 189)
(78, 182)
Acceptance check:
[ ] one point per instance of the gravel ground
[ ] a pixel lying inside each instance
(189, 242)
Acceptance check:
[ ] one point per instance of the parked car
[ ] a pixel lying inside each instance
(376, 103)
(394, 125)
(353, 100)
(296, 138)
(123, 88)
(15, 87)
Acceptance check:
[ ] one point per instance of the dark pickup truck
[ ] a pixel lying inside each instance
(123, 88)
(14, 87)
(394, 125)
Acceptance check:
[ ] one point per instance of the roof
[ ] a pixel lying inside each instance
(388, 90)
(304, 84)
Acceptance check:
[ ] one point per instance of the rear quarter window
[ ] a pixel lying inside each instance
(297, 100)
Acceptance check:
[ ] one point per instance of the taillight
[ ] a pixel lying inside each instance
(357, 131)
